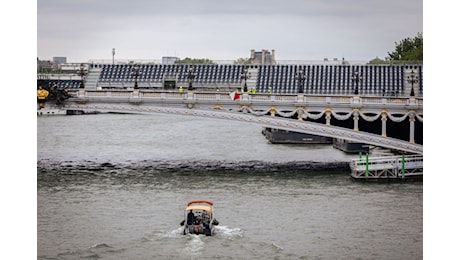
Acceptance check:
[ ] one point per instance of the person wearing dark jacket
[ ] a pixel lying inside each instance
(190, 218)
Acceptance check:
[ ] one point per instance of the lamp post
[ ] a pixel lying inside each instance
(190, 75)
(113, 56)
(301, 78)
(412, 78)
(82, 71)
(356, 78)
(245, 76)
(135, 72)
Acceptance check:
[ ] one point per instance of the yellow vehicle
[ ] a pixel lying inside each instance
(199, 218)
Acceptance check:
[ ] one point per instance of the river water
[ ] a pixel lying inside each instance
(114, 186)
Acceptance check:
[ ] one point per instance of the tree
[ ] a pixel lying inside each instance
(377, 61)
(188, 60)
(408, 50)
(243, 61)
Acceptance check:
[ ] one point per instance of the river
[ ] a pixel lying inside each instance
(113, 186)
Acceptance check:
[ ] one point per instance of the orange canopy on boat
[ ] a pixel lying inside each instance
(200, 202)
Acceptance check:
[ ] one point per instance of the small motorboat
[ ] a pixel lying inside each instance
(199, 218)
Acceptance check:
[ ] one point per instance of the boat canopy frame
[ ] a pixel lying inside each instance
(199, 205)
(200, 201)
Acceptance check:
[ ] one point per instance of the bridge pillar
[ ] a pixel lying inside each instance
(412, 128)
(135, 97)
(190, 95)
(272, 111)
(300, 114)
(356, 119)
(135, 93)
(300, 98)
(356, 99)
(328, 117)
(384, 123)
(81, 92)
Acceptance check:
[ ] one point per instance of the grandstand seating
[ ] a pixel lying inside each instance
(320, 79)
(61, 84)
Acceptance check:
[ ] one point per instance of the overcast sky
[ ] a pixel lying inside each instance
(297, 29)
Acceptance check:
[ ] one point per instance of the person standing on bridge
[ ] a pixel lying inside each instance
(42, 94)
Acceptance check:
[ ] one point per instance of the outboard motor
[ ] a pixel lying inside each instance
(207, 231)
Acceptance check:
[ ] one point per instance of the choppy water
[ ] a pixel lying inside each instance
(115, 186)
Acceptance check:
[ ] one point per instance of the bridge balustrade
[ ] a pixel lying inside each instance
(316, 99)
(120, 94)
(98, 94)
(208, 96)
(261, 97)
(172, 95)
(342, 100)
(285, 98)
(151, 94)
(288, 98)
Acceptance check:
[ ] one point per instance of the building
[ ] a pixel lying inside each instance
(44, 65)
(263, 57)
(169, 60)
(59, 60)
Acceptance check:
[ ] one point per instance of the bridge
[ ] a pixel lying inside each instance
(293, 112)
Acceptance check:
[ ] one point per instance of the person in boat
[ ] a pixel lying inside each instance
(199, 219)
(190, 218)
(206, 219)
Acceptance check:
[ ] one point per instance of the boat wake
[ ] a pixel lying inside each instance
(220, 231)
(228, 232)
(194, 245)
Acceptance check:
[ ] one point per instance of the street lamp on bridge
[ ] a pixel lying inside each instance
(135, 72)
(356, 78)
(412, 78)
(190, 75)
(301, 78)
(245, 76)
(113, 56)
(82, 71)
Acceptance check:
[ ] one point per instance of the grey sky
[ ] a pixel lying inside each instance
(297, 29)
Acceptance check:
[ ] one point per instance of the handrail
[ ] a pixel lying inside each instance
(393, 160)
(289, 98)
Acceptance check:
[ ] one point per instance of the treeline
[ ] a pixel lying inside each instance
(188, 60)
(408, 50)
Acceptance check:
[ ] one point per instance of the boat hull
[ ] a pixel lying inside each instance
(199, 230)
